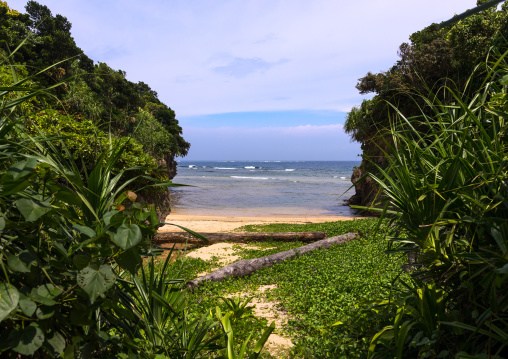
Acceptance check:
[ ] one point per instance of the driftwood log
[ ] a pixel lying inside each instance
(182, 237)
(248, 266)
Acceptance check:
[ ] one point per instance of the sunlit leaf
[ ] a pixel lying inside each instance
(85, 230)
(96, 280)
(57, 343)
(32, 210)
(27, 306)
(127, 236)
(9, 298)
(26, 341)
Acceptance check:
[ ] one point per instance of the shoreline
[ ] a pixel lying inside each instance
(228, 223)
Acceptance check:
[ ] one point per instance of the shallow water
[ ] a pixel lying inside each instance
(263, 188)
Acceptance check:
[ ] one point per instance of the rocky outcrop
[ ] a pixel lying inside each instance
(169, 162)
(366, 190)
(161, 199)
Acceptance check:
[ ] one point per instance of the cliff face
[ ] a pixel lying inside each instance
(366, 189)
(161, 199)
(170, 164)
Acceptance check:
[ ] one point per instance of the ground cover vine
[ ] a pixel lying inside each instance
(316, 290)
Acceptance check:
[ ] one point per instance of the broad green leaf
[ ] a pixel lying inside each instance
(117, 219)
(26, 341)
(96, 280)
(85, 230)
(108, 215)
(20, 169)
(45, 312)
(12, 180)
(27, 306)
(127, 236)
(48, 291)
(16, 265)
(13, 186)
(57, 343)
(37, 298)
(9, 298)
(69, 352)
(21, 262)
(81, 261)
(141, 215)
(32, 210)
(2, 223)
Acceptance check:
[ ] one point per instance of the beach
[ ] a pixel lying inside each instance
(228, 223)
(289, 189)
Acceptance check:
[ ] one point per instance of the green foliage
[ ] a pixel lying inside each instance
(225, 320)
(159, 305)
(363, 227)
(434, 57)
(154, 137)
(85, 143)
(446, 191)
(316, 290)
(94, 92)
(359, 123)
(58, 245)
(422, 311)
(239, 309)
(71, 245)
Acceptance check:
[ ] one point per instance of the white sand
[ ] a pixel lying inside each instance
(217, 224)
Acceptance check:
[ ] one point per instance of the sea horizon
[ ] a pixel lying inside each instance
(263, 188)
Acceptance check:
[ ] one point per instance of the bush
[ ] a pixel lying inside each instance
(446, 190)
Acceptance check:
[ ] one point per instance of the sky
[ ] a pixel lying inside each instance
(253, 79)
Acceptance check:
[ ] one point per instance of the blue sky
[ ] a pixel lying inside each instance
(253, 79)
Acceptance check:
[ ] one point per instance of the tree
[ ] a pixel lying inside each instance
(439, 55)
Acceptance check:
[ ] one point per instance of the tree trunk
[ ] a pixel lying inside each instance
(182, 237)
(248, 266)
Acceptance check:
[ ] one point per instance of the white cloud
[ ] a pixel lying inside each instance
(170, 44)
(241, 67)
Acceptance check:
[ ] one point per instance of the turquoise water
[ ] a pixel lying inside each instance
(281, 188)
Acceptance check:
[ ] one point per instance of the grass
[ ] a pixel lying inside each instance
(316, 290)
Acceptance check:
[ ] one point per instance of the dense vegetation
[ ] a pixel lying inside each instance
(443, 178)
(73, 235)
(87, 100)
(434, 57)
(72, 241)
(326, 294)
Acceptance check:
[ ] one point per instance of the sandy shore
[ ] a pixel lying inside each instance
(215, 224)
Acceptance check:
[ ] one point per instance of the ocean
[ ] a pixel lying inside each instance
(264, 188)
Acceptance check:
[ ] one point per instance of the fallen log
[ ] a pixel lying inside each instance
(248, 266)
(182, 237)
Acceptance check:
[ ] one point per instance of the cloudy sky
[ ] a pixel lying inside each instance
(253, 79)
